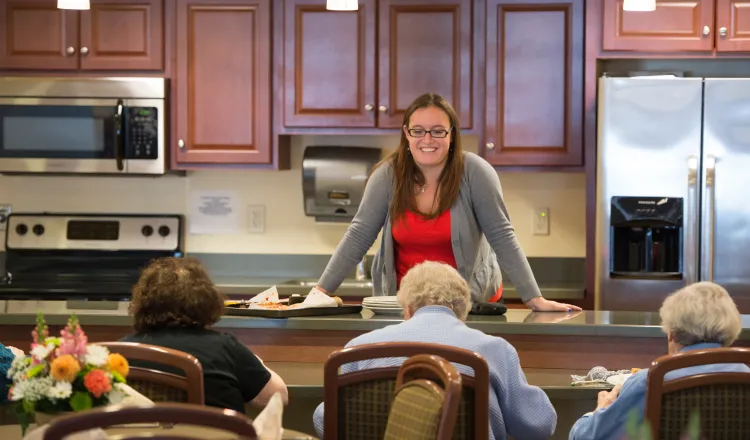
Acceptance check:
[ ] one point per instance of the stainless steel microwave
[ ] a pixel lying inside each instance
(82, 125)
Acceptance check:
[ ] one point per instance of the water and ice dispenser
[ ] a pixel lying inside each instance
(646, 237)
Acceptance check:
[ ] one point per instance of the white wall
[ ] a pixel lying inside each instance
(287, 229)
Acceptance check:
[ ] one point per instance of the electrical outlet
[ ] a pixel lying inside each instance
(256, 219)
(4, 211)
(541, 221)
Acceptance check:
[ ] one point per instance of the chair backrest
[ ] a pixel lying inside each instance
(166, 413)
(722, 399)
(421, 409)
(357, 404)
(161, 386)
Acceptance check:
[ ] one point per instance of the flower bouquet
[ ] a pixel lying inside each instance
(64, 374)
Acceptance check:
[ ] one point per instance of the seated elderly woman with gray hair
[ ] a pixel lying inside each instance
(699, 316)
(436, 302)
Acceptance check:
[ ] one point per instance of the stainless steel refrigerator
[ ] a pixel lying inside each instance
(673, 189)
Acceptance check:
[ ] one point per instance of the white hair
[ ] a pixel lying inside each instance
(701, 312)
(435, 284)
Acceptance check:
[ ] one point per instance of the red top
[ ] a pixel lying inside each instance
(417, 240)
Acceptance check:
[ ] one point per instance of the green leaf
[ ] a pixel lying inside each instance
(29, 406)
(35, 370)
(80, 401)
(117, 377)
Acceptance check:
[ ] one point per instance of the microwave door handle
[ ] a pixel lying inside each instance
(119, 134)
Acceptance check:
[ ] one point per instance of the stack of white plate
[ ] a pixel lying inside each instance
(383, 305)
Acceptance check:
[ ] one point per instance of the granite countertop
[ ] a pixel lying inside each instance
(238, 287)
(515, 321)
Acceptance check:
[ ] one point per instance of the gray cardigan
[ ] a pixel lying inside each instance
(479, 225)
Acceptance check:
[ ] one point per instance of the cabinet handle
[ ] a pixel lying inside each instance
(383, 109)
(70, 50)
(368, 107)
(723, 31)
(181, 143)
(84, 50)
(490, 145)
(706, 30)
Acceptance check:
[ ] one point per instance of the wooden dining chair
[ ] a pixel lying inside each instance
(164, 413)
(423, 409)
(147, 375)
(722, 399)
(357, 404)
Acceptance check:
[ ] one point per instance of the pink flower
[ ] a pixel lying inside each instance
(74, 340)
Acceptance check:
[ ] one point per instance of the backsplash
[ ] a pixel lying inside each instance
(287, 229)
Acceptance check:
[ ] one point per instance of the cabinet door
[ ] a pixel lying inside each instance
(424, 46)
(329, 65)
(733, 25)
(675, 25)
(534, 96)
(35, 35)
(223, 84)
(118, 35)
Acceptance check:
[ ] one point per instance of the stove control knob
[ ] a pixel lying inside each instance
(38, 229)
(22, 229)
(164, 231)
(147, 231)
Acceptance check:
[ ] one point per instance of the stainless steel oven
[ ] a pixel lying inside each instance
(82, 125)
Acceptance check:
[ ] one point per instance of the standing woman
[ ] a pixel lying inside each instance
(435, 202)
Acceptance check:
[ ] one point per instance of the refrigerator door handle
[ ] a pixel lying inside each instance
(691, 222)
(709, 211)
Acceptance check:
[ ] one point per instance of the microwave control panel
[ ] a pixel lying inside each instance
(142, 133)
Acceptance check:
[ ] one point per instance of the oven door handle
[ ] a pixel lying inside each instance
(119, 137)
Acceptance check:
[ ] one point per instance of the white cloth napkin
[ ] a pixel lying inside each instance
(268, 423)
(596, 375)
(268, 295)
(315, 298)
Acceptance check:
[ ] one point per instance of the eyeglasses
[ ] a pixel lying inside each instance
(435, 132)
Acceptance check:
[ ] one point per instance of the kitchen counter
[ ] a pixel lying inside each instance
(240, 287)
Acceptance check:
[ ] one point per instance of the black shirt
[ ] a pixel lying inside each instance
(232, 375)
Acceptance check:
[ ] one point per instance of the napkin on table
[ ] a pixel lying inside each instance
(315, 298)
(268, 423)
(269, 295)
(596, 375)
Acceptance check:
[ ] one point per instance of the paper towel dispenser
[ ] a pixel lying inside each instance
(333, 180)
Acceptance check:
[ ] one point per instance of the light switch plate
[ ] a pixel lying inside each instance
(4, 211)
(256, 219)
(541, 221)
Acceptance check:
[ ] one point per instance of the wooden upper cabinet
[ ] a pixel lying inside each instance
(678, 26)
(534, 77)
(118, 35)
(112, 35)
(733, 25)
(337, 75)
(222, 82)
(329, 65)
(34, 34)
(424, 46)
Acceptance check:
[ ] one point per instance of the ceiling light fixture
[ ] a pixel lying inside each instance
(73, 4)
(342, 5)
(639, 5)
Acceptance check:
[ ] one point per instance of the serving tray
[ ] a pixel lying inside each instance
(294, 313)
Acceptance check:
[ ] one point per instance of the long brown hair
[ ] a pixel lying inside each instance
(406, 173)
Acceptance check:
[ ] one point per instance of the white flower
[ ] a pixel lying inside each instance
(40, 352)
(61, 390)
(115, 396)
(32, 389)
(18, 390)
(96, 355)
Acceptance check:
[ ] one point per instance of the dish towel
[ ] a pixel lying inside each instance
(597, 375)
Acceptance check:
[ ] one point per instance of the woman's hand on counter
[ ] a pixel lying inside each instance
(540, 304)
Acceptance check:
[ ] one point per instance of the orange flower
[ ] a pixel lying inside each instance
(65, 368)
(97, 382)
(118, 364)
